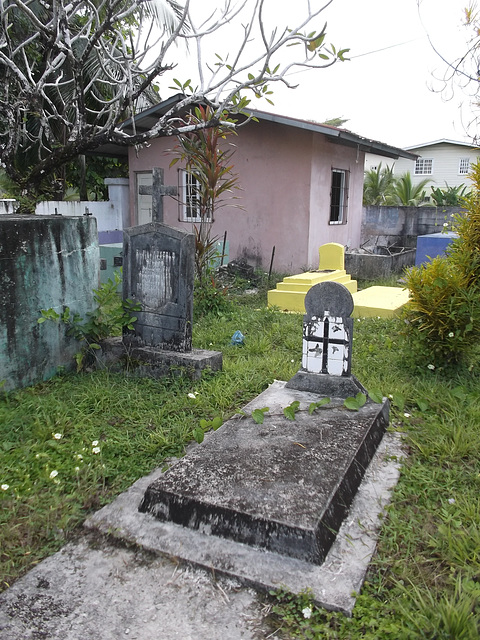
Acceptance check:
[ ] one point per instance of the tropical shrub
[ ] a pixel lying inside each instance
(450, 196)
(443, 315)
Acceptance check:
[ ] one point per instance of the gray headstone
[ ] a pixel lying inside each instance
(158, 273)
(329, 297)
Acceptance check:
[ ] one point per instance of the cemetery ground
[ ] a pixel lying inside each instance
(70, 445)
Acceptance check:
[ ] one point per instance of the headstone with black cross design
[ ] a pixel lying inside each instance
(327, 330)
(327, 343)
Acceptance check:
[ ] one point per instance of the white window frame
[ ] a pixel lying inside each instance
(423, 167)
(188, 210)
(339, 196)
(464, 166)
(188, 206)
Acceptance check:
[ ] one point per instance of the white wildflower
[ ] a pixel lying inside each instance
(95, 443)
(96, 450)
(445, 224)
(77, 469)
(4, 487)
(53, 474)
(307, 612)
(451, 334)
(451, 501)
(407, 415)
(57, 436)
(79, 456)
(431, 367)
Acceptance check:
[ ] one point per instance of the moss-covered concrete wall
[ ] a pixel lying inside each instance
(45, 262)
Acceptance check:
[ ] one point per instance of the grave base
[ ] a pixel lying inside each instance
(146, 362)
(283, 486)
(325, 385)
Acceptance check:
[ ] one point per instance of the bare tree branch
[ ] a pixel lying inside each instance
(75, 70)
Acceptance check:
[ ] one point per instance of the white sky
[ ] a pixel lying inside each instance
(385, 90)
(386, 93)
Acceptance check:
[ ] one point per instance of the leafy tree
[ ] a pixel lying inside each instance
(74, 71)
(408, 194)
(91, 172)
(379, 186)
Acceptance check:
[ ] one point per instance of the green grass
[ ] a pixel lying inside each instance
(425, 578)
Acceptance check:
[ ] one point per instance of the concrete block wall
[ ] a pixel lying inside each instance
(402, 225)
(45, 262)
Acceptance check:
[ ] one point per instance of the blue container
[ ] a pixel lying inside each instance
(433, 245)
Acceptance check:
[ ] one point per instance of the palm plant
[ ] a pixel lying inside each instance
(408, 194)
(378, 186)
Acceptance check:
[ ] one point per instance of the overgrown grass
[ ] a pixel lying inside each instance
(425, 578)
(70, 445)
(424, 581)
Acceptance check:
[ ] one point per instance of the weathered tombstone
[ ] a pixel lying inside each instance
(158, 274)
(287, 485)
(157, 190)
(327, 343)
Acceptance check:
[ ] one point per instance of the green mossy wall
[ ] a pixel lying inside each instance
(45, 262)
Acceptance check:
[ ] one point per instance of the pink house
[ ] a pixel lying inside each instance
(301, 186)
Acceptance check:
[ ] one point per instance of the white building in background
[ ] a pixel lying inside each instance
(442, 161)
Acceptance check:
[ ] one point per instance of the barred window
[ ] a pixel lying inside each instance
(464, 166)
(339, 197)
(189, 201)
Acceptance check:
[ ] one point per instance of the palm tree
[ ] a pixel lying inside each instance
(408, 194)
(378, 186)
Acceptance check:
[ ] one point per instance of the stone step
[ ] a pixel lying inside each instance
(283, 486)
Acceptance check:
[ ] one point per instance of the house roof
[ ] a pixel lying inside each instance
(147, 119)
(442, 141)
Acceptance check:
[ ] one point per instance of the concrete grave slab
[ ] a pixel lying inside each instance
(385, 302)
(284, 486)
(332, 583)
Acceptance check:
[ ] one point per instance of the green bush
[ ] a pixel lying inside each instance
(443, 315)
(209, 297)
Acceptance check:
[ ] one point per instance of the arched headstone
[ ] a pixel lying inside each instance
(327, 342)
(327, 329)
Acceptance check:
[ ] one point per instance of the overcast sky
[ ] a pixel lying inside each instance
(385, 90)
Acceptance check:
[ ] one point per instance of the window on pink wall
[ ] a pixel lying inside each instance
(339, 196)
(188, 203)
